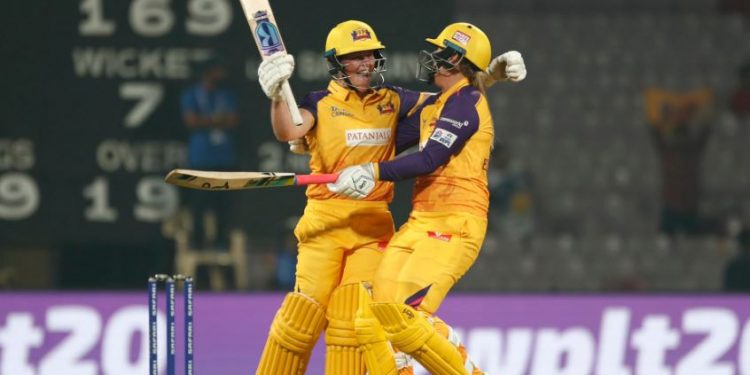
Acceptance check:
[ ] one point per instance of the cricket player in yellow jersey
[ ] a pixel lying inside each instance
(341, 240)
(445, 231)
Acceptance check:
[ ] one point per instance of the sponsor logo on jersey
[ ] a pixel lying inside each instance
(336, 112)
(368, 137)
(444, 137)
(456, 124)
(446, 237)
(462, 38)
(385, 108)
(361, 34)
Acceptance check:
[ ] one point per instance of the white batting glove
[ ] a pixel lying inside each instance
(508, 67)
(273, 72)
(355, 182)
(299, 146)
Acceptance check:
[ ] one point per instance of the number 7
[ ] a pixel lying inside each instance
(148, 95)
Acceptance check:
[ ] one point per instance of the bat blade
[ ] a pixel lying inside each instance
(214, 180)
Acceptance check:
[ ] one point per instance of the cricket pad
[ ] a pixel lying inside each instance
(376, 350)
(293, 334)
(343, 356)
(409, 331)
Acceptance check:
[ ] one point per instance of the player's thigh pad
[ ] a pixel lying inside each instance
(293, 334)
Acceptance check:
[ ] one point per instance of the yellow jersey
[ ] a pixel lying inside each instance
(351, 130)
(455, 138)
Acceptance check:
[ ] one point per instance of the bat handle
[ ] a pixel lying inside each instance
(286, 91)
(308, 179)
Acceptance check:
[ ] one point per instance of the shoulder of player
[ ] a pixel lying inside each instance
(313, 97)
(393, 88)
(465, 96)
(388, 89)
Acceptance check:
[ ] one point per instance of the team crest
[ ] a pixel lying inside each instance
(361, 34)
(385, 108)
(461, 38)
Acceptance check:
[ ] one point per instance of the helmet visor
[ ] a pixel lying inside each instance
(430, 62)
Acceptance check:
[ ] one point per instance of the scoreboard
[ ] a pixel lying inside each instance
(90, 119)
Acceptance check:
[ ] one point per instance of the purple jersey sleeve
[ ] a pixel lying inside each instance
(407, 132)
(458, 121)
(310, 102)
(407, 98)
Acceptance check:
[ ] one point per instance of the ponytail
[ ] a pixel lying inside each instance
(477, 78)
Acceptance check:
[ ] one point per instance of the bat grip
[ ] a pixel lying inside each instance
(286, 91)
(308, 179)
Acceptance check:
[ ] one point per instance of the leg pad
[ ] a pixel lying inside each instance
(293, 334)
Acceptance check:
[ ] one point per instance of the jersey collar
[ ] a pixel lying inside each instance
(345, 94)
(453, 89)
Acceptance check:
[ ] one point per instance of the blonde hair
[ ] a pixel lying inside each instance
(477, 78)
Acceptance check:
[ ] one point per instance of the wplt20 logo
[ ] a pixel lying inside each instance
(268, 36)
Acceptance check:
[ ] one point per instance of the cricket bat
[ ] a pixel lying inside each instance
(268, 39)
(212, 180)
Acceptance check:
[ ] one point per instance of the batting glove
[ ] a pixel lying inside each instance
(508, 67)
(355, 182)
(299, 146)
(273, 72)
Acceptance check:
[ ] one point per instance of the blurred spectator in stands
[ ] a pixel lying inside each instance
(680, 126)
(739, 6)
(740, 101)
(286, 255)
(512, 202)
(737, 272)
(209, 111)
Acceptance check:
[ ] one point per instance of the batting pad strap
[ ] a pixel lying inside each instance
(409, 331)
(298, 323)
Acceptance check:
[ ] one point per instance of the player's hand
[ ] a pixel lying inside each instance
(355, 182)
(273, 72)
(508, 67)
(299, 146)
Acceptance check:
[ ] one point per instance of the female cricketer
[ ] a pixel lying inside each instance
(445, 230)
(340, 240)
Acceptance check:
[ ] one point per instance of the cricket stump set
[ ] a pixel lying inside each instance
(170, 289)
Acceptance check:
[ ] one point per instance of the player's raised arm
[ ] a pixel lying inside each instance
(272, 73)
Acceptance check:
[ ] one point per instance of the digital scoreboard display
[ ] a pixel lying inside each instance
(90, 118)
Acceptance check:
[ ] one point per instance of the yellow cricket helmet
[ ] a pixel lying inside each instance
(468, 40)
(351, 36)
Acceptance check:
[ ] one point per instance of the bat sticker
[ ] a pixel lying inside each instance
(268, 35)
